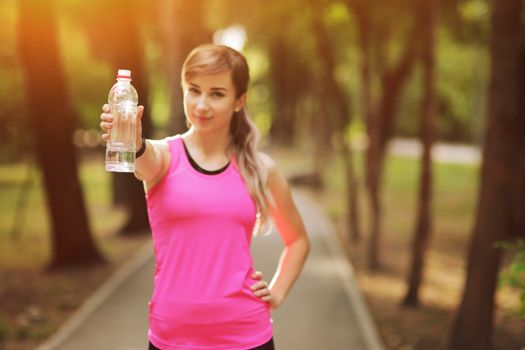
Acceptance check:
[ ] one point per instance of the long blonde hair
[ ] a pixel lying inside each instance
(212, 59)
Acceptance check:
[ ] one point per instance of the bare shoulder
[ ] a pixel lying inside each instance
(268, 162)
(163, 145)
(276, 178)
(163, 149)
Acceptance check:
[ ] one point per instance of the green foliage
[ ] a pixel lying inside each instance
(158, 87)
(259, 102)
(474, 10)
(337, 13)
(89, 80)
(514, 273)
(4, 329)
(475, 21)
(461, 82)
(462, 70)
(14, 138)
(461, 57)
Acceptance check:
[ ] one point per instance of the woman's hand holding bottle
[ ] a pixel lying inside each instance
(106, 124)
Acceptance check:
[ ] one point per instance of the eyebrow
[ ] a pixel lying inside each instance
(212, 88)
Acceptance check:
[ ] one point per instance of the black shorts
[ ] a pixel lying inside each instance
(267, 346)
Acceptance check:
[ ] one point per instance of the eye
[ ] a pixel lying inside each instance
(193, 91)
(217, 94)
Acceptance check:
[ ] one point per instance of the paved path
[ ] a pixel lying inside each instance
(441, 152)
(324, 311)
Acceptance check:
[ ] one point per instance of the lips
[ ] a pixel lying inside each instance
(203, 119)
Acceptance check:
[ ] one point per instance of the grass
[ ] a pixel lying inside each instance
(455, 195)
(33, 303)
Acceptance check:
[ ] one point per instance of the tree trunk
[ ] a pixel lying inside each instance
(52, 123)
(342, 112)
(282, 63)
(373, 191)
(182, 29)
(363, 18)
(379, 121)
(423, 227)
(379, 134)
(321, 130)
(352, 193)
(362, 13)
(501, 206)
(172, 62)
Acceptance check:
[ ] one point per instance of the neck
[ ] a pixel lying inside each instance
(210, 144)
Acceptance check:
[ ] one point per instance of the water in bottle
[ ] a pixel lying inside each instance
(123, 101)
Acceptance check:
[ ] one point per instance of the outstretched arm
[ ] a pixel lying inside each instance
(151, 166)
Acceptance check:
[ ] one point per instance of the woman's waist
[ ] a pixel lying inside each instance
(224, 324)
(197, 279)
(223, 310)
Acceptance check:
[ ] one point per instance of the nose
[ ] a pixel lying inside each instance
(202, 103)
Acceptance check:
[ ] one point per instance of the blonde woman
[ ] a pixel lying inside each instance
(208, 191)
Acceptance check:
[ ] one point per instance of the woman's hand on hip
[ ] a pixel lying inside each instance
(263, 291)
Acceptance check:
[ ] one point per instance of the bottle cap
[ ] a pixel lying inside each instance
(124, 73)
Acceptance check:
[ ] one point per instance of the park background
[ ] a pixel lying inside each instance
(437, 242)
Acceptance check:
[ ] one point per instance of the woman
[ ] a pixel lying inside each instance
(208, 190)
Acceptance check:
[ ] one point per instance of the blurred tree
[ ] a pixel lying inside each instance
(336, 104)
(181, 28)
(376, 22)
(462, 74)
(427, 19)
(14, 142)
(52, 125)
(290, 69)
(501, 202)
(114, 33)
(289, 51)
(285, 78)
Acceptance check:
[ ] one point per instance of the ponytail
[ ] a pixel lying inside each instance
(244, 139)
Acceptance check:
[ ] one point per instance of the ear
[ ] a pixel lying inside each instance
(240, 102)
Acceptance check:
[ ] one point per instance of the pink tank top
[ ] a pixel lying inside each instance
(202, 228)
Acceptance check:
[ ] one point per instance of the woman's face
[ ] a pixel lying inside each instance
(209, 101)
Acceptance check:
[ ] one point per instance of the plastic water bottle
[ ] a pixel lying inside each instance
(120, 148)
